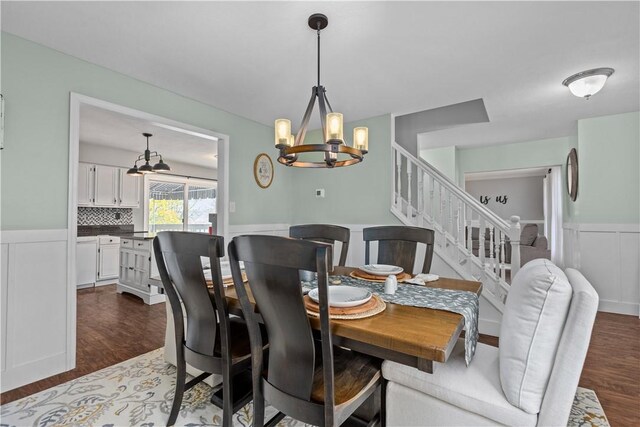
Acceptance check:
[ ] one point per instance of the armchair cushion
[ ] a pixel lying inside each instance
(475, 388)
(528, 234)
(532, 324)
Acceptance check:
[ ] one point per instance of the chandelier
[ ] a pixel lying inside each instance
(147, 168)
(335, 151)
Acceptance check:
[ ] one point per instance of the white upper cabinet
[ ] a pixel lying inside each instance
(129, 190)
(106, 193)
(85, 184)
(107, 186)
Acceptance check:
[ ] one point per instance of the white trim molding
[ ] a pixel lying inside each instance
(607, 255)
(35, 294)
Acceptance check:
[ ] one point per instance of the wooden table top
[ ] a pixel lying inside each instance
(422, 333)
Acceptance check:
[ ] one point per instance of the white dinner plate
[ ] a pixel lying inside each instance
(381, 269)
(343, 296)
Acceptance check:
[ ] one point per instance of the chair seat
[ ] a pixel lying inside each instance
(475, 388)
(353, 372)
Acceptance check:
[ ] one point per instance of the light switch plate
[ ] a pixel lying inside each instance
(320, 193)
(232, 207)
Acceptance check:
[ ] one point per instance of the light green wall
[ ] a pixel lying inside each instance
(608, 168)
(358, 194)
(444, 159)
(36, 82)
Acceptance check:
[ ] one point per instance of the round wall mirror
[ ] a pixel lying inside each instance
(572, 174)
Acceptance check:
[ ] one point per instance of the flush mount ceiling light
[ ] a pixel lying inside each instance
(147, 168)
(588, 83)
(291, 146)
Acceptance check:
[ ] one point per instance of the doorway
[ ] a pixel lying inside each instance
(198, 190)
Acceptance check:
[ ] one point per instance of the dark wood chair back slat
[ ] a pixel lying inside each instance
(397, 245)
(183, 279)
(325, 233)
(272, 267)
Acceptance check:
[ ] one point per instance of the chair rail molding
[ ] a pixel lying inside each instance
(34, 275)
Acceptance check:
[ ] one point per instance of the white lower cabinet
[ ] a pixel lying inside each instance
(136, 267)
(86, 264)
(108, 265)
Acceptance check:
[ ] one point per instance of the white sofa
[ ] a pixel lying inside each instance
(530, 380)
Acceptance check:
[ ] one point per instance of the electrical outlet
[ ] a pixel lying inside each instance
(232, 207)
(118, 215)
(320, 193)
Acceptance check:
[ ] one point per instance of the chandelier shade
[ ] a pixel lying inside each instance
(333, 152)
(161, 166)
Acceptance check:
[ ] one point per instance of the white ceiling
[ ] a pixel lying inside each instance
(111, 129)
(257, 59)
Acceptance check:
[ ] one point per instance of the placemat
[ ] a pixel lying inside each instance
(375, 306)
(461, 302)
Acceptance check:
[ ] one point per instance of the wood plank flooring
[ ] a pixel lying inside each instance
(113, 328)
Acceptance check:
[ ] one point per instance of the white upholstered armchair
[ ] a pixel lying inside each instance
(530, 380)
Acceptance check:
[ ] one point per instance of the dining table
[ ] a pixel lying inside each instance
(413, 336)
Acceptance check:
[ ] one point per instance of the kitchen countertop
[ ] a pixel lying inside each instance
(138, 236)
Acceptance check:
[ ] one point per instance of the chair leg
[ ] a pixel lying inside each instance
(227, 399)
(181, 372)
(383, 403)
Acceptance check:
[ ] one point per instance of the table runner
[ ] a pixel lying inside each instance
(461, 302)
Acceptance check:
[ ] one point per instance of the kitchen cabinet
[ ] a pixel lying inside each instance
(86, 184)
(107, 186)
(86, 263)
(108, 257)
(137, 266)
(129, 190)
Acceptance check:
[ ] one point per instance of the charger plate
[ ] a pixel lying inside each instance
(363, 275)
(374, 306)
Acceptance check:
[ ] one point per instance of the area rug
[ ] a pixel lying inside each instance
(139, 392)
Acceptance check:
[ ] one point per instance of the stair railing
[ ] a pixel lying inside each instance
(423, 196)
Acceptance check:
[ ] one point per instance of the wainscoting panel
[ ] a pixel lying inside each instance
(607, 254)
(34, 300)
(4, 280)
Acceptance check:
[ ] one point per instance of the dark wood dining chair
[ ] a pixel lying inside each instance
(214, 343)
(309, 380)
(325, 233)
(397, 245)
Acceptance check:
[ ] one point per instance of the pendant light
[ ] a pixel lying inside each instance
(161, 166)
(335, 151)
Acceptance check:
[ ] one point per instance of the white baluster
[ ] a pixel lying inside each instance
(420, 196)
(399, 180)
(502, 257)
(431, 194)
(481, 241)
(409, 205)
(459, 222)
(492, 259)
(514, 240)
(441, 201)
(469, 230)
(449, 200)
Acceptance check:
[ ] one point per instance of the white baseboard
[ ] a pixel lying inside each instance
(619, 307)
(34, 371)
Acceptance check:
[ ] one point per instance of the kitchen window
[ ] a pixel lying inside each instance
(179, 203)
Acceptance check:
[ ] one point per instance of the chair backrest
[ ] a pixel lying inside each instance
(397, 245)
(272, 266)
(572, 351)
(325, 233)
(178, 255)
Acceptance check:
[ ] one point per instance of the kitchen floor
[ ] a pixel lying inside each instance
(111, 328)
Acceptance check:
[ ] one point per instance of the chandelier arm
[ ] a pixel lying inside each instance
(305, 119)
(323, 112)
(327, 101)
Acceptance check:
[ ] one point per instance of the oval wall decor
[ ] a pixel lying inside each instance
(263, 170)
(572, 174)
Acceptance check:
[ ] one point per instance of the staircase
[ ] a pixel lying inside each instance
(422, 196)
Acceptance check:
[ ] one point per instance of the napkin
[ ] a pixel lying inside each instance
(422, 279)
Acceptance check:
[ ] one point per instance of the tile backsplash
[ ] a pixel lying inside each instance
(105, 216)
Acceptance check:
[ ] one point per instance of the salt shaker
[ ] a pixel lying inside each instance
(390, 284)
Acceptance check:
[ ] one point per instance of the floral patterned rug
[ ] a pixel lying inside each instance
(139, 392)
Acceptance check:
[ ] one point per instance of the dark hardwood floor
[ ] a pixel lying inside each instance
(113, 328)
